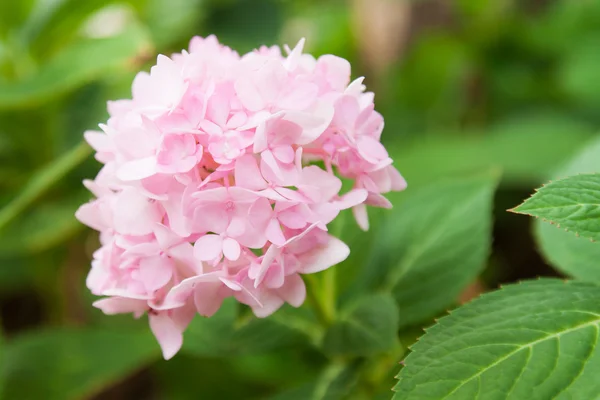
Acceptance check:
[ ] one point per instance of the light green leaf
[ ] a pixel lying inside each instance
(527, 149)
(434, 243)
(80, 63)
(45, 226)
(173, 20)
(368, 327)
(536, 340)
(572, 203)
(54, 23)
(575, 256)
(71, 363)
(579, 72)
(42, 181)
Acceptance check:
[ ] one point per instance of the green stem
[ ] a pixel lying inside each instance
(316, 302)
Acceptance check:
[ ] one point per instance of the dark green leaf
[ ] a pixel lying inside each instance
(336, 382)
(368, 327)
(535, 340)
(434, 244)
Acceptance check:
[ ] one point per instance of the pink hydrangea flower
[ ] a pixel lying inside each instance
(212, 185)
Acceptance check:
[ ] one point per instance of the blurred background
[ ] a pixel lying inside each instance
(462, 84)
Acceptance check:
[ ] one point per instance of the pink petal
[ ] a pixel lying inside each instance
(137, 169)
(247, 174)
(274, 233)
(208, 247)
(155, 272)
(248, 95)
(323, 257)
(231, 249)
(371, 150)
(293, 290)
(351, 199)
(285, 154)
(207, 298)
(360, 215)
(120, 305)
(167, 334)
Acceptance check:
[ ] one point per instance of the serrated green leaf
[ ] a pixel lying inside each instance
(368, 327)
(536, 340)
(70, 363)
(434, 243)
(573, 203)
(80, 63)
(578, 257)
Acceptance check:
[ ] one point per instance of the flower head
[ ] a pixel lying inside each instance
(212, 185)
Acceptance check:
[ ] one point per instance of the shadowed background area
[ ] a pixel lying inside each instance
(465, 85)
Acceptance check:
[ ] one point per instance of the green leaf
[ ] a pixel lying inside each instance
(575, 256)
(579, 71)
(222, 335)
(527, 149)
(53, 24)
(173, 20)
(434, 243)
(45, 226)
(42, 181)
(535, 340)
(368, 327)
(71, 363)
(80, 63)
(336, 382)
(572, 203)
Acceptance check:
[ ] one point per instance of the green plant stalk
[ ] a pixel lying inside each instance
(43, 181)
(313, 287)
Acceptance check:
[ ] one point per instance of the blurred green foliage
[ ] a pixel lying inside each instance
(477, 84)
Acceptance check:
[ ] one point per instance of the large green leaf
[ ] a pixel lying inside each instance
(434, 243)
(572, 203)
(70, 363)
(368, 327)
(575, 256)
(80, 63)
(535, 340)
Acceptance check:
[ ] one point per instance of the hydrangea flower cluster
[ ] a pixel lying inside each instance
(218, 181)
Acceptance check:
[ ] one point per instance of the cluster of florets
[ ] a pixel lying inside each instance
(219, 180)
